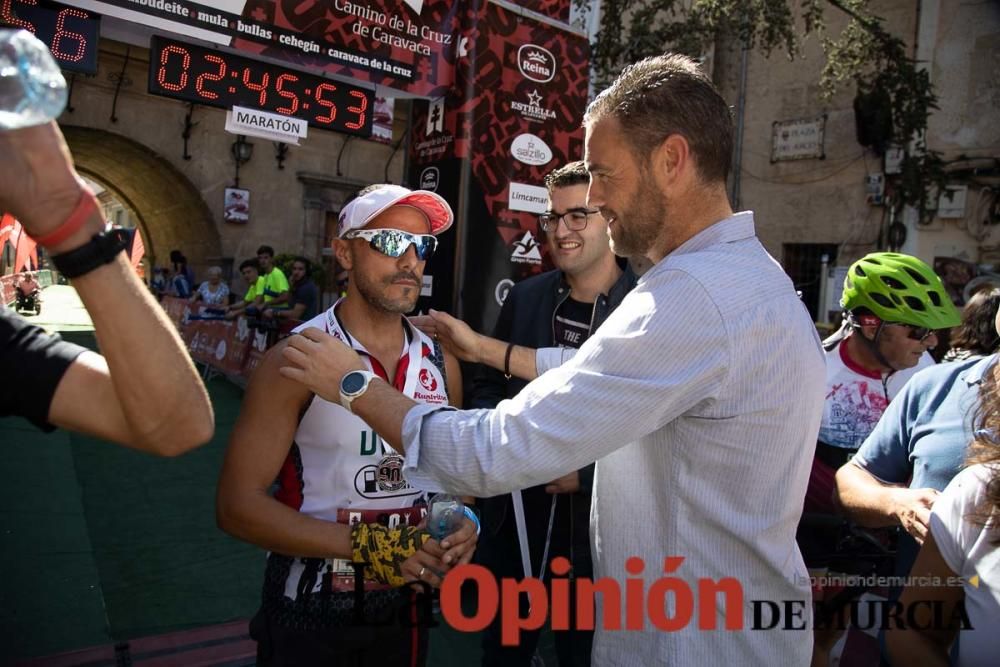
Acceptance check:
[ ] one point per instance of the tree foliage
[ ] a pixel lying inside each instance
(864, 52)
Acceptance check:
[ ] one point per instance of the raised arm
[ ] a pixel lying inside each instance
(477, 348)
(144, 392)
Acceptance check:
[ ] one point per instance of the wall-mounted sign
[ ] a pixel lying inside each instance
(530, 198)
(798, 139)
(237, 206)
(70, 33)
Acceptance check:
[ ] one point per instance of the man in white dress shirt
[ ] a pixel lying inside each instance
(699, 397)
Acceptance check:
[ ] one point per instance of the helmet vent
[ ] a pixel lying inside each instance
(892, 283)
(881, 300)
(916, 276)
(915, 303)
(861, 272)
(935, 298)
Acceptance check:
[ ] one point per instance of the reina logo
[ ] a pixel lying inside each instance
(536, 63)
(529, 149)
(427, 380)
(429, 179)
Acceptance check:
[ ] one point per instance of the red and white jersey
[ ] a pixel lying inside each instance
(339, 469)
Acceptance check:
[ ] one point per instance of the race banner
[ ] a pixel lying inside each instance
(408, 45)
(529, 90)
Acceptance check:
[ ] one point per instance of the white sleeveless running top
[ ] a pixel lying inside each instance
(339, 469)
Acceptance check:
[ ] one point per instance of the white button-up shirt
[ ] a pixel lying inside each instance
(700, 399)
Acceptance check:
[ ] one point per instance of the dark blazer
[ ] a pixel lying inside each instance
(528, 318)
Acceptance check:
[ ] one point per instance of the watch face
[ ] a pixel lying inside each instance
(352, 383)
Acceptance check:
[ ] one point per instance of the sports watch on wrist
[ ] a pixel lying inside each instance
(353, 385)
(101, 249)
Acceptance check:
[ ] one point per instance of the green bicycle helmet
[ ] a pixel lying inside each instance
(899, 288)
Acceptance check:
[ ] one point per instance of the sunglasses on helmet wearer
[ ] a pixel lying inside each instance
(919, 334)
(395, 242)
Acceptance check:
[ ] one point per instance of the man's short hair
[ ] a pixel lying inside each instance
(670, 94)
(251, 264)
(305, 262)
(265, 250)
(574, 173)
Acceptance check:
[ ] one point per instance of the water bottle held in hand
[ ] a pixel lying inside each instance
(32, 88)
(444, 516)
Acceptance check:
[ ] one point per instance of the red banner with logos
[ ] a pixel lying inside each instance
(409, 45)
(523, 119)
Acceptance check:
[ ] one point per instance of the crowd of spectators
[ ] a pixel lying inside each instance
(270, 296)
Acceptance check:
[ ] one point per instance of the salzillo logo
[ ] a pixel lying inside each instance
(429, 179)
(427, 380)
(529, 149)
(536, 63)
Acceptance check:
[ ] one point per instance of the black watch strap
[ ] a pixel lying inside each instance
(98, 251)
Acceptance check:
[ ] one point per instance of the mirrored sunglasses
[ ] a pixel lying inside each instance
(395, 242)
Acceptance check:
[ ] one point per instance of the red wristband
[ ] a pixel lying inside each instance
(72, 224)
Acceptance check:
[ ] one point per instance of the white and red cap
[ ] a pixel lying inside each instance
(362, 210)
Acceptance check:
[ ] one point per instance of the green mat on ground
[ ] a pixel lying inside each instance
(101, 544)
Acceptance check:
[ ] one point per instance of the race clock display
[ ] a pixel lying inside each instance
(70, 33)
(206, 76)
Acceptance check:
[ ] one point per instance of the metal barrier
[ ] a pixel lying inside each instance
(228, 347)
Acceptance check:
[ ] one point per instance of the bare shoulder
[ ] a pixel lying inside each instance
(268, 387)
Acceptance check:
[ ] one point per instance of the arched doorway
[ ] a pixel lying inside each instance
(170, 211)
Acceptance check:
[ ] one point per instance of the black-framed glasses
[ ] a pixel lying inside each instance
(576, 219)
(395, 242)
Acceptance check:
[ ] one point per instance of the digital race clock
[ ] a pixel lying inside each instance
(197, 74)
(70, 33)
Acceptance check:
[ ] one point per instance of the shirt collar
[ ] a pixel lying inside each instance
(736, 227)
(974, 373)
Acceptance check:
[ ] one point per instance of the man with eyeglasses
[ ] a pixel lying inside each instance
(341, 496)
(559, 308)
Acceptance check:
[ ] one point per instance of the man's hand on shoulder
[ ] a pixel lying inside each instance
(317, 360)
(457, 336)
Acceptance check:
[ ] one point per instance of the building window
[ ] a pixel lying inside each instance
(803, 263)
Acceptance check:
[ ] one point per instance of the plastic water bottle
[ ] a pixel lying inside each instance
(32, 88)
(444, 515)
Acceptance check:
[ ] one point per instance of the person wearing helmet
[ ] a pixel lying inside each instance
(893, 306)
